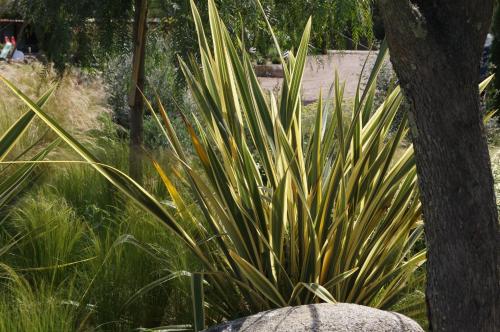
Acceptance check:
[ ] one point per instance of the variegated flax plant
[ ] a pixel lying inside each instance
(274, 218)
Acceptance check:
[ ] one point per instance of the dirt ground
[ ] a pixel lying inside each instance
(320, 73)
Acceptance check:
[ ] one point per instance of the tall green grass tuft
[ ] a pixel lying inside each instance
(74, 254)
(23, 308)
(55, 232)
(113, 276)
(128, 280)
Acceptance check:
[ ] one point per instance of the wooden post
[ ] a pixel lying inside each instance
(135, 99)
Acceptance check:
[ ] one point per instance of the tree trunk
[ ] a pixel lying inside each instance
(19, 34)
(435, 49)
(135, 99)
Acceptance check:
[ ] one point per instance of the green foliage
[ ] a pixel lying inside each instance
(153, 137)
(133, 253)
(55, 232)
(275, 221)
(161, 81)
(64, 263)
(7, 8)
(25, 306)
(242, 17)
(66, 34)
(41, 309)
(333, 21)
(14, 180)
(312, 226)
(282, 204)
(73, 253)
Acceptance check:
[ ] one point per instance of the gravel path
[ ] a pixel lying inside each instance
(320, 73)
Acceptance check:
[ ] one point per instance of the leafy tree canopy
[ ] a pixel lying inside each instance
(333, 21)
(68, 28)
(7, 8)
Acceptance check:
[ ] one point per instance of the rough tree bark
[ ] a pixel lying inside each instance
(435, 50)
(135, 99)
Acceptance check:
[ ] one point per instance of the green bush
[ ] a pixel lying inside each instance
(161, 74)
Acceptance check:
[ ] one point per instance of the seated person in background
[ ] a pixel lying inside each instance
(6, 49)
(13, 48)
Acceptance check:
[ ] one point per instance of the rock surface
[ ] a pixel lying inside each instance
(341, 317)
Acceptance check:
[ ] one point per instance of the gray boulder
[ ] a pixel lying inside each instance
(321, 318)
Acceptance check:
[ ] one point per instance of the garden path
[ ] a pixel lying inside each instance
(320, 71)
